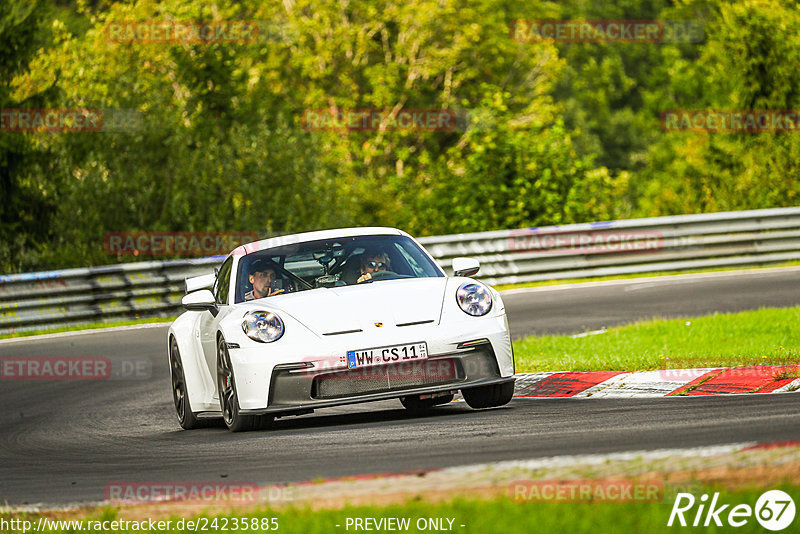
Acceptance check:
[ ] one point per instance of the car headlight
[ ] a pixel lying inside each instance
(474, 299)
(263, 326)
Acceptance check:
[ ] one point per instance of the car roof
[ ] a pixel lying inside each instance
(292, 239)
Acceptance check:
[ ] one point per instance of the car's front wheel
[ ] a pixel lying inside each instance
(228, 399)
(489, 396)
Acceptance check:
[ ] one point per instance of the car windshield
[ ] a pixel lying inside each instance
(332, 263)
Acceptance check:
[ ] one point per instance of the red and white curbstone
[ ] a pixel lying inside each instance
(660, 383)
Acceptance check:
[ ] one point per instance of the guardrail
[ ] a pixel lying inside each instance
(72, 297)
(53, 299)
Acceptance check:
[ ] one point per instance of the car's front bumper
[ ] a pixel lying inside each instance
(386, 395)
(465, 356)
(294, 390)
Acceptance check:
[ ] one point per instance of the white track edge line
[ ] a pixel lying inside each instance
(71, 333)
(662, 278)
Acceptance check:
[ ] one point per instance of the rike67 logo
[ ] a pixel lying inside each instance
(774, 510)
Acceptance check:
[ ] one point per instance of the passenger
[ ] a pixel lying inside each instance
(262, 273)
(373, 260)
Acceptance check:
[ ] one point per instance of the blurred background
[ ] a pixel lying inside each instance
(211, 135)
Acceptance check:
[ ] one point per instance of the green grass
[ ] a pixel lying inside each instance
(502, 287)
(498, 515)
(762, 337)
(90, 326)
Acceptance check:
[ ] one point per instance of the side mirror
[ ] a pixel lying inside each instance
(465, 266)
(200, 301)
(204, 281)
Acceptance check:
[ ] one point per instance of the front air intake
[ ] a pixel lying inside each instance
(383, 378)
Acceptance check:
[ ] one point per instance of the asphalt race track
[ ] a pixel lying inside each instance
(63, 442)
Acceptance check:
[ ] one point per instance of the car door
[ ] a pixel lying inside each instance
(209, 322)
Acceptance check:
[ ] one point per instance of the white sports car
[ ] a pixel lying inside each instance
(294, 323)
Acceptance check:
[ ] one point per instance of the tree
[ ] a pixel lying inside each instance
(28, 204)
(749, 63)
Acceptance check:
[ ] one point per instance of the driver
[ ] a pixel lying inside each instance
(262, 273)
(373, 260)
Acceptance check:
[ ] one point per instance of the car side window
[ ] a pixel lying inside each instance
(223, 283)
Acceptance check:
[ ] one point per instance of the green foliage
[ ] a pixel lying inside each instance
(25, 208)
(749, 62)
(549, 133)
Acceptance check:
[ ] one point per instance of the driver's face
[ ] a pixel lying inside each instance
(262, 280)
(376, 263)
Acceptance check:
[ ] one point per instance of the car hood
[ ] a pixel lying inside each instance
(343, 309)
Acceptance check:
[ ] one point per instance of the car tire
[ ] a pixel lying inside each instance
(180, 396)
(489, 396)
(414, 404)
(229, 400)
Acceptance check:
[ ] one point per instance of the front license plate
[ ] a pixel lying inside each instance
(383, 355)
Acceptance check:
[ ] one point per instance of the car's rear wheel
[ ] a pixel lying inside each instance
(414, 403)
(183, 408)
(489, 396)
(228, 399)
